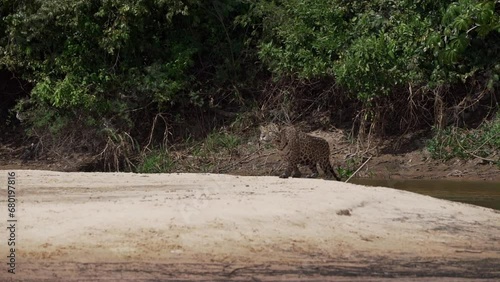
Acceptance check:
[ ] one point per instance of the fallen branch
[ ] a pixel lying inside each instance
(473, 152)
(358, 169)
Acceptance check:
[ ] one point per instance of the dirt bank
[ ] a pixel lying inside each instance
(206, 226)
(391, 158)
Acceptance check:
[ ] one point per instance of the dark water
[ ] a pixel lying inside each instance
(486, 194)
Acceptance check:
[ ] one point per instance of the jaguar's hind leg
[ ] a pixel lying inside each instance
(292, 170)
(314, 171)
(330, 171)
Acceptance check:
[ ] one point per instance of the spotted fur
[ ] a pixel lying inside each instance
(299, 148)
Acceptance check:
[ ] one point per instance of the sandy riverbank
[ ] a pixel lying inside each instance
(209, 226)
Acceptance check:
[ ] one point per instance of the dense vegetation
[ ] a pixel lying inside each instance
(116, 79)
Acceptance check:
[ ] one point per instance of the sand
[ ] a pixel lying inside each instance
(119, 226)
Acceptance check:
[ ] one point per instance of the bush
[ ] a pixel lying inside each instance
(118, 62)
(157, 161)
(455, 142)
(217, 142)
(394, 57)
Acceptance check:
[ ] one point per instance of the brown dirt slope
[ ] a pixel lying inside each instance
(403, 157)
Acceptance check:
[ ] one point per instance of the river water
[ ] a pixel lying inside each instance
(486, 194)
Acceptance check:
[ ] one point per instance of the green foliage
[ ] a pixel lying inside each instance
(66, 93)
(91, 55)
(126, 61)
(468, 43)
(344, 173)
(110, 65)
(350, 166)
(303, 36)
(158, 161)
(374, 48)
(217, 142)
(378, 62)
(454, 142)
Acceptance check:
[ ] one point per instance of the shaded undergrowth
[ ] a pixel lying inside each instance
(455, 142)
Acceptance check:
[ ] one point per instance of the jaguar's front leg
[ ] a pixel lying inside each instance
(292, 170)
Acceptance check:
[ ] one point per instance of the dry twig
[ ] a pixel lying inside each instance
(358, 169)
